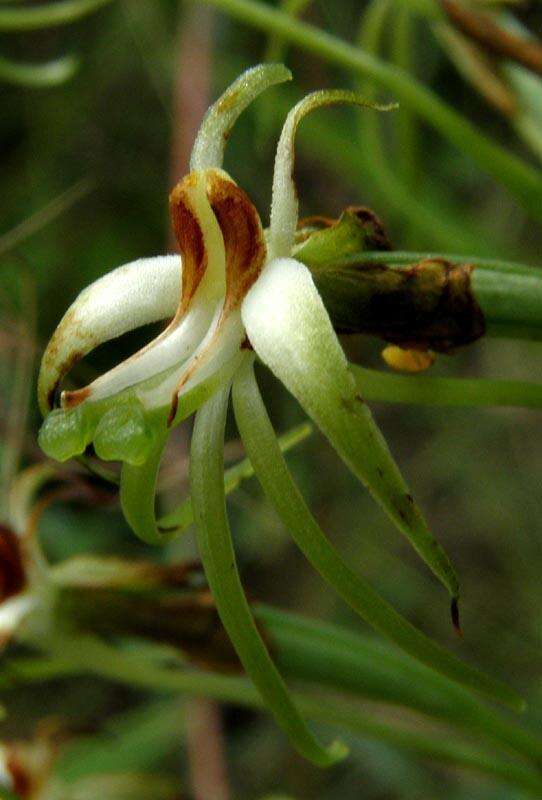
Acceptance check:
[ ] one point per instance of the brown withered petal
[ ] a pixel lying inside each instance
(243, 236)
(12, 572)
(189, 235)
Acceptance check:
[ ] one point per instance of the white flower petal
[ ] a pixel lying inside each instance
(135, 294)
(290, 330)
(172, 347)
(220, 347)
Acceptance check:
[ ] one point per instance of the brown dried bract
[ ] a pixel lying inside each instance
(426, 306)
(376, 237)
(496, 40)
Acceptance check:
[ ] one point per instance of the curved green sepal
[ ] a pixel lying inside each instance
(47, 15)
(138, 493)
(183, 516)
(218, 557)
(208, 150)
(271, 469)
(291, 332)
(38, 76)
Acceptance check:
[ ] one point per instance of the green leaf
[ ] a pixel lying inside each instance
(48, 15)
(327, 655)
(272, 472)
(218, 557)
(520, 178)
(384, 387)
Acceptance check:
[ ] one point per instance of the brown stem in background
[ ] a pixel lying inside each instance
(191, 97)
(191, 88)
(493, 38)
(208, 774)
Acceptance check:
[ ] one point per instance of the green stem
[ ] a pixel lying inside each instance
(403, 52)
(521, 179)
(509, 294)
(259, 438)
(385, 387)
(218, 557)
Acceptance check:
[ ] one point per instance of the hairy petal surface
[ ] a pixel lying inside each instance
(208, 150)
(284, 204)
(136, 294)
(291, 332)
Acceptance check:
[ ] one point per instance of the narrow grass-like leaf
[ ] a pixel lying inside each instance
(269, 465)
(218, 557)
(344, 660)
(291, 332)
(386, 387)
(48, 15)
(524, 181)
(38, 76)
(92, 657)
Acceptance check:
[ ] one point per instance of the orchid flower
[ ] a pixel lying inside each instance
(235, 293)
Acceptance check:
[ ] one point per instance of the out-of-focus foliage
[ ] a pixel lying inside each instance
(86, 169)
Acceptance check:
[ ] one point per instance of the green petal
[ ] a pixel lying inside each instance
(284, 205)
(270, 467)
(218, 557)
(291, 332)
(138, 492)
(208, 150)
(183, 516)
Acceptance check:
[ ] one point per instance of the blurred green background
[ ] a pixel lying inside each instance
(116, 137)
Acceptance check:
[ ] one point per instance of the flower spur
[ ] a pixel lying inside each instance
(236, 293)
